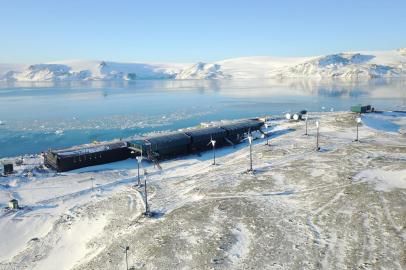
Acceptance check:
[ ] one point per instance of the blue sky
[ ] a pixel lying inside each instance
(189, 31)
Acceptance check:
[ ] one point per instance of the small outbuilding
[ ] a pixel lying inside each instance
(13, 204)
(8, 168)
(362, 109)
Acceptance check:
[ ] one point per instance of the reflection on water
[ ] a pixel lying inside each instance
(37, 116)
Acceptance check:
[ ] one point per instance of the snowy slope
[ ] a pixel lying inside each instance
(89, 70)
(347, 65)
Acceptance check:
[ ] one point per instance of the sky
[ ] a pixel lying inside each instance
(190, 31)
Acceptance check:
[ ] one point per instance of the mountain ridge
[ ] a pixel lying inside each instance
(344, 65)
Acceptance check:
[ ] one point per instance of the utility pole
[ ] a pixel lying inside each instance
(139, 160)
(126, 249)
(306, 124)
(146, 197)
(317, 136)
(266, 129)
(250, 142)
(358, 122)
(213, 143)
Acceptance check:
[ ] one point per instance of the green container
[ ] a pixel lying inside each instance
(361, 108)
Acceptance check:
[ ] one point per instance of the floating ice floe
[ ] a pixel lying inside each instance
(59, 132)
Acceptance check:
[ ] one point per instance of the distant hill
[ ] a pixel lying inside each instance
(348, 66)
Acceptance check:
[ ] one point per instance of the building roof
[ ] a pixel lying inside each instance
(168, 138)
(205, 131)
(243, 124)
(89, 149)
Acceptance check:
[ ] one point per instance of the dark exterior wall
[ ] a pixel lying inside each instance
(67, 163)
(200, 139)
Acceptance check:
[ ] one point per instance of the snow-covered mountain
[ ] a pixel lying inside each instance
(348, 65)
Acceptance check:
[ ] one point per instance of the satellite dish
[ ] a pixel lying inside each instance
(317, 123)
(359, 120)
(213, 142)
(288, 116)
(295, 117)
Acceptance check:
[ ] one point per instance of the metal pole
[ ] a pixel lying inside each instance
(251, 157)
(317, 137)
(214, 154)
(126, 257)
(138, 166)
(306, 125)
(267, 137)
(146, 197)
(357, 132)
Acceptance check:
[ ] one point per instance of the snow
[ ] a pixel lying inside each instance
(383, 180)
(70, 248)
(362, 65)
(300, 209)
(240, 248)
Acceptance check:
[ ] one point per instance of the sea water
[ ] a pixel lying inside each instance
(38, 116)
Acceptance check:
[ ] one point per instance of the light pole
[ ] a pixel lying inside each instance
(126, 249)
(146, 197)
(317, 137)
(306, 124)
(250, 142)
(139, 160)
(213, 143)
(266, 129)
(358, 122)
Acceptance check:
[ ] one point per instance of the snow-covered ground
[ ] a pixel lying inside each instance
(347, 66)
(340, 208)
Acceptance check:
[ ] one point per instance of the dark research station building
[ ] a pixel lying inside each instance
(154, 147)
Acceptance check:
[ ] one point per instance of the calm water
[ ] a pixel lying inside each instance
(39, 116)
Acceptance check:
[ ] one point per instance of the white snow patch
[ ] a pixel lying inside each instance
(71, 248)
(240, 248)
(382, 179)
